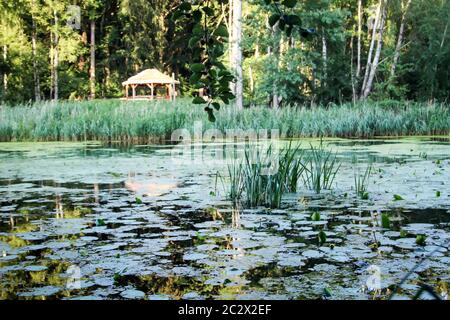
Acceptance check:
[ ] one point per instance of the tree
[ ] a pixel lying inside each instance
(372, 66)
(399, 45)
(237, 52)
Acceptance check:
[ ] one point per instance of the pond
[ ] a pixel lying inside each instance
(112, 221)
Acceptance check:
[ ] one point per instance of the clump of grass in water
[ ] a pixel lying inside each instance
(320, 169)
(362, 182)
(253, 183)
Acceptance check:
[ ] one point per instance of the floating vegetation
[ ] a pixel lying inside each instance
(385, 221)
(322, 237)
(188, 244)
(315, 216)
(264, 176)
(421, 239)
(362, 182)
(321, 168)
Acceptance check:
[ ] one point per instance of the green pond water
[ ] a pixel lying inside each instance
(108, 221)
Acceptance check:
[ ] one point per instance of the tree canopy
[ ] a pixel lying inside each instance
(293, 51)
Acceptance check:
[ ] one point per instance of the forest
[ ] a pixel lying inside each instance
(248, 150)
(344, 51)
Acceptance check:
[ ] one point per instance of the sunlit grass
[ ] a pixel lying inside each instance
(149, 121)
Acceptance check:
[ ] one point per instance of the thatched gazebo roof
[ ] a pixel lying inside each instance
(150, 76)
(153, 79)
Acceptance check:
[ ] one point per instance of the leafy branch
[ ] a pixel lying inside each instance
(209, 35)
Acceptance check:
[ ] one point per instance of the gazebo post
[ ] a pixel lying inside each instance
(152, 90)
(133, 86)
(126, 91)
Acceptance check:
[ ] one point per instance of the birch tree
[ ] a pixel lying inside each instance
(237, 52)
(376, 60)
(399, 45)
(358, 67)
(372, 45)
(92, 55)
(36, 78)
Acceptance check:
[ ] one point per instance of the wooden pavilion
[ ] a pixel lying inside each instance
(154, 80)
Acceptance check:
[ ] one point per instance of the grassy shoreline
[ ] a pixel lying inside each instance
(115, 120)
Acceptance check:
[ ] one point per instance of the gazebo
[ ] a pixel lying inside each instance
(154, 80)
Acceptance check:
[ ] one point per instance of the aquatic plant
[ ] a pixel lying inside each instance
(148, 121)
(421, 239)
(253, 182)
(385, 221)
(315, 216)
(322, 237)
(236, 180)
(320, 169)
(362, 182)
(292, 166)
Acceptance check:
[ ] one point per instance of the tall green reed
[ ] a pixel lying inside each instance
(320, 169)
(362, 182)
(126, 120)
(264, 176)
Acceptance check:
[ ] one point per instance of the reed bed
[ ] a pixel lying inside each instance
(115, 120)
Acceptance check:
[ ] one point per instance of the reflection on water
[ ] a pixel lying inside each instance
(137, 224)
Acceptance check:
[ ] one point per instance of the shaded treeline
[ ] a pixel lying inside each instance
(377, 49)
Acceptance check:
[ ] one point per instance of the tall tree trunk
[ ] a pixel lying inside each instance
(52, 65)
(56, 59)
(5, 76)
(400, 39)
(277, 48)
(37, 85)
(358, 67)
(231, 37)
(351, 69)
(372, 46)
(92, 68)
(82, 59)
(376, 60)
(237, 52)
(324, 58)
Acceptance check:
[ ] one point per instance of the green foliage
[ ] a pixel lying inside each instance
(321, 169)
(149, 121)
(322, 237)
(421, 240)
(263, 177)
(385, 221)
(398, 197)
(283, 46)
(209, 35)
(362, 182)
(315, 216)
